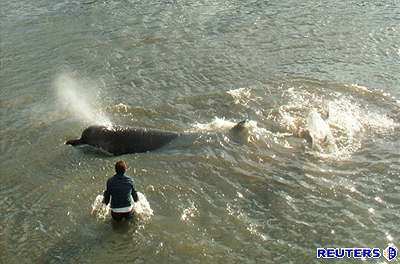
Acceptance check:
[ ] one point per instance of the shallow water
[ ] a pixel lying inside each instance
(200, 66)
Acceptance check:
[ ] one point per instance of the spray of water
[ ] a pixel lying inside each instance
(100, 210)
(74, 97)
(141, 208)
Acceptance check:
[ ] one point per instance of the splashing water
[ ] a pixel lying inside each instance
(318, 127)
(141, 208)
(189, 213)
(73, 95)
(99, 209)
(345, 126)
(222, 125)
(243, 96)
(240, 95)
(254, 228)
(320, 132)
(218, 124)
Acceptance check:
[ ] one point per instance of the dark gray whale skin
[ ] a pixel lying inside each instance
(122, 140)
(119, 140)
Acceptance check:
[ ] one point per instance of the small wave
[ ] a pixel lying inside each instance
(127, 110)
(241, 95)
(189, 212)
(251, 225)
(121, 108)
(218, 124)
(256, 133)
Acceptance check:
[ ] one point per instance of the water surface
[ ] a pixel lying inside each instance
(200, 66)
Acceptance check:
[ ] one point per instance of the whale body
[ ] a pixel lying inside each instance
(119, 140)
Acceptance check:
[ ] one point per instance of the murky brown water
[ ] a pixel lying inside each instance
(200, 66)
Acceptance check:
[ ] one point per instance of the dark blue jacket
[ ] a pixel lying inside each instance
(120, 188)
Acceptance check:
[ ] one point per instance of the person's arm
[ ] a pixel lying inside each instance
(106, 195)
(134, 194)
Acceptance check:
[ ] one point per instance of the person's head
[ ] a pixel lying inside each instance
(120, 167)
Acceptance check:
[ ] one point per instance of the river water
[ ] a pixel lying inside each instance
(200, 66)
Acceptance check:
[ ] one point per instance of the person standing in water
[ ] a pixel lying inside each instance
(121, 190)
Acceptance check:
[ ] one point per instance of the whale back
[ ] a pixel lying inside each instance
(121, 140)
(136, 140)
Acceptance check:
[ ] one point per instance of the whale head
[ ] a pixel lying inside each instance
(75, 142)
(90, 134)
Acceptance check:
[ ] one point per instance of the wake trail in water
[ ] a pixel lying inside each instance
(75, 96)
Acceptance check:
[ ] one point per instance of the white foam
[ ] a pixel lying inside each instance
(141, 208)
(189, 213)
(359, 87)
(99, 209)
(241, 95)
(255, 133)
(317, 126)
(218, 124)
(320, 132)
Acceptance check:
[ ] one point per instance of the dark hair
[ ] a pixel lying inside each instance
(120, 166)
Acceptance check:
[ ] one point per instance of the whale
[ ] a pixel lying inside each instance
(119, 140)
